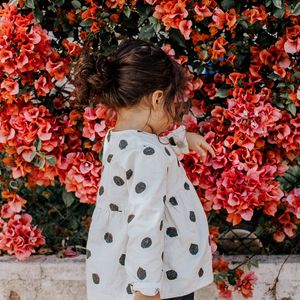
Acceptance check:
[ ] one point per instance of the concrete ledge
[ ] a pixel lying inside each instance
(51, 278)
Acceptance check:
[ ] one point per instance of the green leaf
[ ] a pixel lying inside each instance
(222, 93)
(68, 198)
(296, 10)
(86, 23)
(51, 160)
(40, 164)
(268, 3)
(103, 15)
(176, 36)
(59, 3)
(32, 155)
(127, 12)
(278, 13)
(146, 32)
(38, 14)
(292, 109)
(231, 277)
(76, 4)
(277, 3)
(37, 144)
(273, 76)
(227, 4)
(281, 85)
(30, 3)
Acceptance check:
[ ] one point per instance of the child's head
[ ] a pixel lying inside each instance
(139, 77)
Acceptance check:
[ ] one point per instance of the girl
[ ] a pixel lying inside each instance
(149, 237)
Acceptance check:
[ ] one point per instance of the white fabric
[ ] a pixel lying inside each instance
(149, 231)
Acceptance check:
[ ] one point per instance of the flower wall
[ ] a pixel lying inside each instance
(242, 58)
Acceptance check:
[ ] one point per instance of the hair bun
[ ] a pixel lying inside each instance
(105, 69)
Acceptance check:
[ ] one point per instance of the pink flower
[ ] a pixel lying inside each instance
(246, 283)
(293, 201)
(185, 28)
(19, 237)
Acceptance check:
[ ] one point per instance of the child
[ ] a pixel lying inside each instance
(149, 237)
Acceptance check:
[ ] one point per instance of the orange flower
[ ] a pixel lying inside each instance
(256, 13)
(73, 49)
(11, 86)
(71, 16)
(218, 51)
(57, 66)
(94, 27)
(202, 11)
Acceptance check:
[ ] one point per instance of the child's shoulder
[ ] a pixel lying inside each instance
(137, 143)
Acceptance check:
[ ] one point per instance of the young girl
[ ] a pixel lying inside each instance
(149, 237)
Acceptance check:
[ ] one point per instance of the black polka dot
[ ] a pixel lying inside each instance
(164, 198)
(201, 272)
(108, 237)
(118, 180)
(149, 151)
(194, 249)
(141, 273)
(161, 225)
(146, 242)
(140, 187)
(128, 288)
(96, 278)
(108, 136)
(128, 174)
(113, 207)
(129, 219)
(162, 255)
(192, 216)
(123, 144)
(109, 157)
(172, 231)
(171, 274)
(167, 151)
(173, 201)
(88, 253)
(186, 186)
(101, 190)
(172, 141)
(122, 259)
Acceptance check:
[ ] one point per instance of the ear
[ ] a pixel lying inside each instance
(157, 99)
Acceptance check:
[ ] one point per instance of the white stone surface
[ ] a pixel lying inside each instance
(51, 278)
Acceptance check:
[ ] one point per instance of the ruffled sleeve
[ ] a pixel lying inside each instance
(177, 140)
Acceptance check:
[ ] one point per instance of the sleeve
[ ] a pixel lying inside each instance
(177, 140)
(147, 192)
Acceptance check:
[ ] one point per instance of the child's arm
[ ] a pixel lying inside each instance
(147, 193)
(198, 143)
(183, 141)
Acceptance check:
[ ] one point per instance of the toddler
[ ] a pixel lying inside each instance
(149, 236)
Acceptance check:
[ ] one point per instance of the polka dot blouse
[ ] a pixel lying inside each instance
(149, 232)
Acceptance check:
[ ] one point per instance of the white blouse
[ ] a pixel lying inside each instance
(149, 231)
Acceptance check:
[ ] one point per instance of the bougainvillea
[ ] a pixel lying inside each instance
(242, 58)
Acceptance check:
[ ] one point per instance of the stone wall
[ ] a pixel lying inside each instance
(52, 278)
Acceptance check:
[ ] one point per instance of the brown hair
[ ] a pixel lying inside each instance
(136, 69)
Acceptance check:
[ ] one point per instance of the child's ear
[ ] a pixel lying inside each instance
(157, 99)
